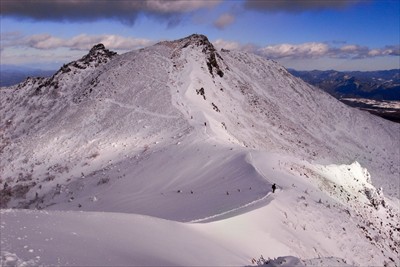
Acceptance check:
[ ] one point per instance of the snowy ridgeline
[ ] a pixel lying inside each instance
(320, 215)
(175, 147)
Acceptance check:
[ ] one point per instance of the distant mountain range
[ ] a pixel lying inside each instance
(374, 91)
(377, 85)
(11, 74)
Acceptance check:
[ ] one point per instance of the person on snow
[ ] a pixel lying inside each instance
(273, 188)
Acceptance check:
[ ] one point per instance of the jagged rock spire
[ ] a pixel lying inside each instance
(97, 47)
(96, 51)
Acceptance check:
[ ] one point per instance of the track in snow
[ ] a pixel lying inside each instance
(139, 110)
(236, 211)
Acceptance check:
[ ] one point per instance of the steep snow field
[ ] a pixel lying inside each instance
(166, 156)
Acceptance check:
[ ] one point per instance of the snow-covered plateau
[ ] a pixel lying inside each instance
(166, 156)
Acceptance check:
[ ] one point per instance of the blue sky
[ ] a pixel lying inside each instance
(300, 34)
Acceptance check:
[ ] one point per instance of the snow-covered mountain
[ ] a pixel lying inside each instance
(182, 132)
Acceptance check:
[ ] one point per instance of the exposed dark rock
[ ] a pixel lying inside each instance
(208, 49)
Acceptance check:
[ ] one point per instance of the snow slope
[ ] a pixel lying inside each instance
(187, 140)
(299, 219)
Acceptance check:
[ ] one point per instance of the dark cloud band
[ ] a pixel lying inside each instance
(125, 11)
(297, 5)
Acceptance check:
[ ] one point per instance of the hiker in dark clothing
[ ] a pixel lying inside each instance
(273, 188)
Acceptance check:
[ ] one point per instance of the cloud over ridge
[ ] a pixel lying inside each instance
(311, 50)
(78, 42)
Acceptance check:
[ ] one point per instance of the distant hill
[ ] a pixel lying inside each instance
(377, 85)
(10, 74)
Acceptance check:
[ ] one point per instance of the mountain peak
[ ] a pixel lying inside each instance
(98, 50)
(198, 40)
(97, 55)
(97, 47)
(201, 41)
(194, 40)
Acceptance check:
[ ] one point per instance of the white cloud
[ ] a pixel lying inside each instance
(224, 20)
(311, 50)
(113, 42)
(306, 50)
(349, 48)
(15, 46)
(319, 50)
(230, 45)
(42, 41)
(79, 42)
(393, 50)
(51, 51)
(374, 52)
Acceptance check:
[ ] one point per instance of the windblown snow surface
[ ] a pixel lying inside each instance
(165, 156)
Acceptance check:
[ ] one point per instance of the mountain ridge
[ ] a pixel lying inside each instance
(221, 118)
